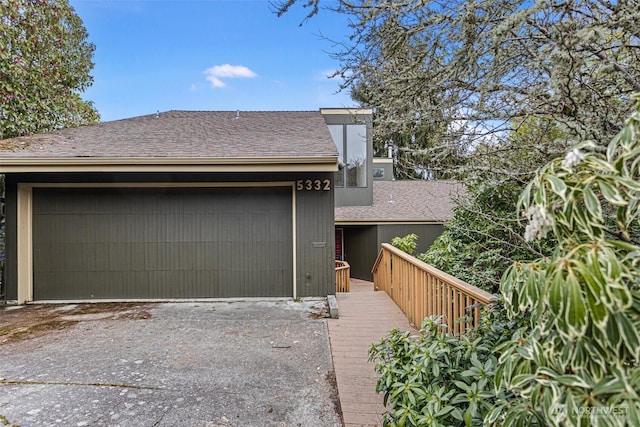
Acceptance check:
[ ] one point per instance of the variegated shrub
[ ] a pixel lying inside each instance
(578, 362)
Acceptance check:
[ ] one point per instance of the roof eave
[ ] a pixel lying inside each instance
(169, 164)
(388, 221)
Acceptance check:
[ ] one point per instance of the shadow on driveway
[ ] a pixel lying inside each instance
(209, 364)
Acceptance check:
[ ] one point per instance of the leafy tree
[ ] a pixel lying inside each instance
(484, 236)
(488, 92)
(577, 362)
(407, 243)
(416, 144)
(472, 71)
(563, 347)
(45, 61)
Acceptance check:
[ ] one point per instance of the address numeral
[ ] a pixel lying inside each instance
(313, 185)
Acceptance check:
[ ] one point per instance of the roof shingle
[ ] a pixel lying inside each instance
(186, 134)
(411, 201)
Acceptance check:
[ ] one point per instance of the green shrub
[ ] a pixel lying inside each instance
(578, 361)
(438, 379)
(406, 244)
(565, 350)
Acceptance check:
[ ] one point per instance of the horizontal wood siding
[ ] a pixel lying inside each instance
(162, 243)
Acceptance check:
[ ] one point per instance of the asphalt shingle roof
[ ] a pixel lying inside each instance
(412, 200)
(186, 134)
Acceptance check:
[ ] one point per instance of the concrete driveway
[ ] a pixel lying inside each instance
(256, 363)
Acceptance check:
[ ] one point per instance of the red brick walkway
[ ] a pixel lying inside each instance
(365, 317)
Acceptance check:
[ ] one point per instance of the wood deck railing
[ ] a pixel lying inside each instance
(343, 272)
(421, 290)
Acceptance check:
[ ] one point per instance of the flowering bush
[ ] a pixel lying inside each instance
(577, 362)
(565, 350)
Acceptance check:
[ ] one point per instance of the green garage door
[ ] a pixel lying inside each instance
(93, 243)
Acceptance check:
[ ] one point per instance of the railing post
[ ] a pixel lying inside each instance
(343, 274)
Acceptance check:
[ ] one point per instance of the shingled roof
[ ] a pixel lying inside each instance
(405, 201)
(185, 136)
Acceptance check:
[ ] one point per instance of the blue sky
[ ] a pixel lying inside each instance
(209, 55)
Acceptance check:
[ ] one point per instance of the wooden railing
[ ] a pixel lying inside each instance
(343, 272)
(421, 290)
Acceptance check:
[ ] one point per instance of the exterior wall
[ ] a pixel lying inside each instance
(383, 169)
(354, 196)
(313, 218)
(315, 242)
(362, 243)
(361, 248)
(427, 234)
(10, 229)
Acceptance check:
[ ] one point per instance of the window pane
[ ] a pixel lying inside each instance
(338, 139)
(356, 156)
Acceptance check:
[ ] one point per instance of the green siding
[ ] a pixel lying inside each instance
(427, 234)
(314, 222)
(361, 249)
(362, 243)
(162, 243)
(10, 235)
(316, 244)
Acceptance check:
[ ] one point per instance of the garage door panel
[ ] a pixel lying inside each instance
(101, 253)
(162, 243)
(208, 228)
(208, 283)
(207, 256)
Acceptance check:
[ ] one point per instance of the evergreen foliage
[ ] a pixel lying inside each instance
(487, 92)
(437, 379)
(407, 243)
(45, 61)
(485, 234)
(563, 348)
(577, 362)
(445, 77)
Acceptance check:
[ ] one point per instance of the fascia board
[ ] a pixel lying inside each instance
(398, 221)
(159, 164)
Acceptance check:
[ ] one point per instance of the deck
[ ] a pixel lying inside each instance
(365, 317)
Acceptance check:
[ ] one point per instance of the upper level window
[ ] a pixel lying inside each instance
(356, 156)
(351, 141)
(337, 132)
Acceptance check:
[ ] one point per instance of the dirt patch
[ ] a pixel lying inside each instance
(19, 323)
(5, 422)
(319, 312)
(330, 377)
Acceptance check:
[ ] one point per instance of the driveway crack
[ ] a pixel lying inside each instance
(71, 383)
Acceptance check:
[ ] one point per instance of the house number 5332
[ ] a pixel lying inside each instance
(313, 184)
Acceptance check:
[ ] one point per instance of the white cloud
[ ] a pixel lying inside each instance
(215, 73)
(215, 82)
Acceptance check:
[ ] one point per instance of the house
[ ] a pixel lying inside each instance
(179, 204)
(371, 206)
(399, 208)
(193, 204)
